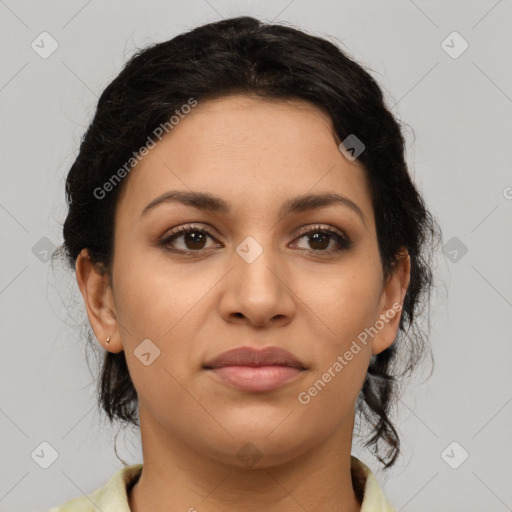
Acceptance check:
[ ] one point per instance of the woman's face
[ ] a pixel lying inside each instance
(255, 279)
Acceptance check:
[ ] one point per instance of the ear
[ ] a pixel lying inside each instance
(96, 291)
(391, 303)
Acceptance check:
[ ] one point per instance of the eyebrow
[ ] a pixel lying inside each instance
(208, 202)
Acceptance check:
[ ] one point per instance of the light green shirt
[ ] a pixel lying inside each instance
(113, 496)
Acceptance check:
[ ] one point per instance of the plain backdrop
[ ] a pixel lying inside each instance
(445, 69)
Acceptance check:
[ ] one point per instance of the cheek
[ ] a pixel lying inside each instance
(345, 303)
(344, 308)
(342, 348)
(151, 294)
(159, 302)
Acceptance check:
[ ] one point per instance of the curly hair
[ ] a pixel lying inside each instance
(248, 56)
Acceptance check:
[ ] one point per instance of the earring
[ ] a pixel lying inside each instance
(108, 340)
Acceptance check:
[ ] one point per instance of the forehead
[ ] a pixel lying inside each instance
(251, 150)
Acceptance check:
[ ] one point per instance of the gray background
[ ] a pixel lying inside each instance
(460, 111)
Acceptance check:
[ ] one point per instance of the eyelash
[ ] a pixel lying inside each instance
(342, 240)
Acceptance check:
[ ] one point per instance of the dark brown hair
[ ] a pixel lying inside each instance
(245, 55)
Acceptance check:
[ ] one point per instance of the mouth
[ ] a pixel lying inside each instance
(256, 370)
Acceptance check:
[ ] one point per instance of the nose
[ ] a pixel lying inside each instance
(259, 291)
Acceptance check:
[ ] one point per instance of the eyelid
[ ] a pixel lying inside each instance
(321, 227)
(190, 226)
(304, 229)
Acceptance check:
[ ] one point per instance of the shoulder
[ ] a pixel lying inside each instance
(112, 497)
(368, 489)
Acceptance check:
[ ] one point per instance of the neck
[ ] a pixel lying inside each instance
(176, 477)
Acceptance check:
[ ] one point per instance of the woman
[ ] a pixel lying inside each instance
(251, 252)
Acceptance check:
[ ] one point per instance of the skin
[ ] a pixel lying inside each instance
(306, 298)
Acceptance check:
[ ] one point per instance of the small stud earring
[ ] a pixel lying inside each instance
(108, 340)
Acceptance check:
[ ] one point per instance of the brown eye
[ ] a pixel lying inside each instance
(193, 239)
(319, 240)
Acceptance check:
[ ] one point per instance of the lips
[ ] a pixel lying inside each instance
(255, 370)
(247, 356)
